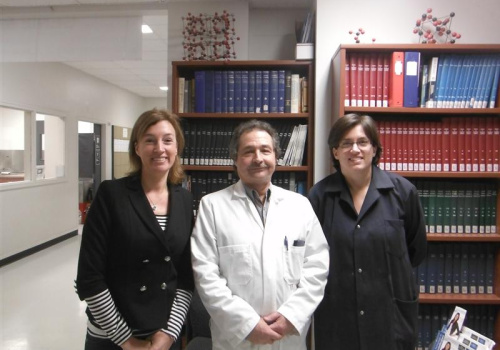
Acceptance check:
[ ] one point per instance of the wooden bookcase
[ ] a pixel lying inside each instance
(187, 69)
(402, 113)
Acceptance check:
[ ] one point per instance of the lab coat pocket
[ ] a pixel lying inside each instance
(236, 263)
(293, 259)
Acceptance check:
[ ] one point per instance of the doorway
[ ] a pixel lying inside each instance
(89, 164)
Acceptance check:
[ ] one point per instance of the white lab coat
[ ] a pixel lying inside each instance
(244, 270)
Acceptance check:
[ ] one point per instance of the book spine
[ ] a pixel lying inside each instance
(265, 91)
(244, 91)
(411, 78)
(258, 91)
(281, 91)
(396, 82)
(273, 91)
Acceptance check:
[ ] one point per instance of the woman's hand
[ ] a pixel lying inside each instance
(161, 341)
(136, 344)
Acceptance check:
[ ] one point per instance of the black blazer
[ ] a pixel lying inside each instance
(125, 250)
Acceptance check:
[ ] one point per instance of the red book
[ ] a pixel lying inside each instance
(427, 146)
(373, 80)
(396, 79)
(490, 122)
(347, 85)
(454, 146)
(433, 146)
(482, 144)
(399, 142)
(385, 85)
(461, 145)
(411, 146)
(394, 146)
(445, 128)
(439, 144)
(359, 83)
(404, 129)
(475, 143)
(353, 79)
(421, 146)
(380, 80)
(468, 144)
(366, 81)
(381, 135)
(388, 145)
(496, 144)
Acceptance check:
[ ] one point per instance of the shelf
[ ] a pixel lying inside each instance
(230, 168)
(463, 237)
(408, 110)
(245, 115)
(449, 175)
(426, 298)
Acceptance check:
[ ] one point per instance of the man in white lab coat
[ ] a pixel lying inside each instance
(260, 257)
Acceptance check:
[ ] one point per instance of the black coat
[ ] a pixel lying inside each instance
(125, 250)
(371, 297)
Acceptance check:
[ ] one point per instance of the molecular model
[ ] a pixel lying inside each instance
(432, 30)
(357, 37)
(209, 37)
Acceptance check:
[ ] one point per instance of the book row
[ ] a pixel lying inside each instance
(458, 207)
(206, 142)
(456, 144)
(243, 91)
(432, 318)
(457, 268)
(404, 79)
(201, 183)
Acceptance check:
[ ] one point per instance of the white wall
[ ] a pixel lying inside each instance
(389, 21)
(34, 214)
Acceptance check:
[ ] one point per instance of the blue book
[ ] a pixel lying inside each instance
(456, 268)
(218, 91)
(209, 91)
(273, 91)
(490, 268)
(443, 70)
(199, 78)
(464, 87)
(464, 269)
(244, 91)
(473, 82)
(224, 92)
(237, 91)
(448, 268)
(479, 89)
(230, 91)
(450, 86)
(281, 91)
(422, 276)
(440, 268)
(265, 91)
(258, 91)
(288, 91)
(431, 269)
(494, 85)
(411, 79)
(473, 268)
(486, 89)
(251, 91)
(459, 83)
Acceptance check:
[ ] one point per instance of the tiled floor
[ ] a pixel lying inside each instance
(39, 309)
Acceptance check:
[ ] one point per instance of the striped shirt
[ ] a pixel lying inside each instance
(108, 323)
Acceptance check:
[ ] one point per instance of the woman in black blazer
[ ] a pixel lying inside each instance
(134, 269)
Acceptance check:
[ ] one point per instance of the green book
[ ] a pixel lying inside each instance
(447, 207)
(439, 203)
(469, 208)
(454, 208)
(432, 206)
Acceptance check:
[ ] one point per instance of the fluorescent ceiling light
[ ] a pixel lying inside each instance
(164, 88)
(146, 29)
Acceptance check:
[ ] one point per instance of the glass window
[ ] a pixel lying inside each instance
(23, 133)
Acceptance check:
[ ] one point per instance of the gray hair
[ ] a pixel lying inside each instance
(247, 127)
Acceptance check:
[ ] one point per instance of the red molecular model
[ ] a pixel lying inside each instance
(209, 37)
(432, 30)
(357, 37)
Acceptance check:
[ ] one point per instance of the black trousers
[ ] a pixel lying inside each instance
(93, 343)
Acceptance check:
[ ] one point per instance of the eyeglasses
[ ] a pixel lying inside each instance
(348, 144)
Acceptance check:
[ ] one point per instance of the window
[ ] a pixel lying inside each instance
(32, 146)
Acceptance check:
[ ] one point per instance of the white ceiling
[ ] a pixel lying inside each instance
(142, 77)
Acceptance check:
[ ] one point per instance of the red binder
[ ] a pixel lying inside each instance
(396, 79)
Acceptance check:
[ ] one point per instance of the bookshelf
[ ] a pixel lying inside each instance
(407, 115)
(189, 71)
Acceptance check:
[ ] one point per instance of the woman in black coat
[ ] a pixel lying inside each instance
(134, 269)
(374, 224)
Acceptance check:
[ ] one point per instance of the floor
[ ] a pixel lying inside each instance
(39, 309)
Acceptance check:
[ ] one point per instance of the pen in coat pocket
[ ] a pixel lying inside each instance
(286, 243)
